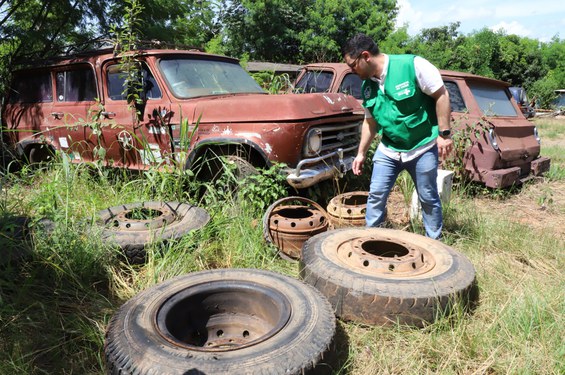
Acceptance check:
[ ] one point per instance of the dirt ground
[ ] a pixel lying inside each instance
(540, 206)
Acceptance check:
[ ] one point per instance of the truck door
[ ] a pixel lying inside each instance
(135, 136)
(72, 119)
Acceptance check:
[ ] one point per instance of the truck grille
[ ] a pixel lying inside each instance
(340, 136)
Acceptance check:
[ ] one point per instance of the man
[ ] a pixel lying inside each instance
(405, 101)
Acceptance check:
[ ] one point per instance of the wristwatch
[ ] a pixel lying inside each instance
(445, 133)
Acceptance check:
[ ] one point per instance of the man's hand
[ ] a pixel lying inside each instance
(445, 147)
(357, 166)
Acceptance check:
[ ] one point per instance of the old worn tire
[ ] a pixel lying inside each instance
(226, 321)
(243, 167)
(383, 276)
(132, 235)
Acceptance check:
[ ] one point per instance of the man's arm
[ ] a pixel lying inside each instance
(368, 132)
(443, 112)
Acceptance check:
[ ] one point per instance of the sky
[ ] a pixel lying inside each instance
(538, 19)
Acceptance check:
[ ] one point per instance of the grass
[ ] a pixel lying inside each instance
(56, 302)
(550, 128)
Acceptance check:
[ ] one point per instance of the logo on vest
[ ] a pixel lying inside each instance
(367, 92)
(401, 86)
(403, 92)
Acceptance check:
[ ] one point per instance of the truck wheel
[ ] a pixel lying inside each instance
(132, 226)
(224, 321)
(243, 168)
(385, 276)
(40, 154)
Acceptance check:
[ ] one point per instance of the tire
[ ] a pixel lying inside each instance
(213, 165)
(386, 276)
(15, 235)
(40, 154)
(228, 321)
(174, 220)
(243, 168)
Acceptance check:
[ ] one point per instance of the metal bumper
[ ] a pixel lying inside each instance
(309, 172)
(501, 178)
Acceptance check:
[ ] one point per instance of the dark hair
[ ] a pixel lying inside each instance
(359, 43)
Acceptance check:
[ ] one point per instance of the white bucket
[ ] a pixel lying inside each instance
(444, 184)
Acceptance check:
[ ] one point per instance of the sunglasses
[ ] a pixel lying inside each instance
(354, 63)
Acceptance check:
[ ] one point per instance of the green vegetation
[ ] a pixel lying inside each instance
(56, 300)
(282, 31)
(59, 286)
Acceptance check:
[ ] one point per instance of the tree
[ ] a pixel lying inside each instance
(330, 23)
(262, 29)
(520, 61)
(439, 45)
(553, 59)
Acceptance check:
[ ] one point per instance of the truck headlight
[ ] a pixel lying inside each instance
(536, 135)
(313, 144)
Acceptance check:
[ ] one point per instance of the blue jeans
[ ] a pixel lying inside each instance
(423, 171)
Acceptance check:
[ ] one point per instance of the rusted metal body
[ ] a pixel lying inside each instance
(192, 103)
(288, 226)
(505, 147)
(348, 209)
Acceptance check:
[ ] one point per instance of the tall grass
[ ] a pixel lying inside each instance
(56, 301)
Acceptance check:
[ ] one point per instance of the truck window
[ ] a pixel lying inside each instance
(455, 97)
(76, 85)
(492, 99)
(313, 81)
(31, 87)
(192, 77)
(116, 77)
(351, 85)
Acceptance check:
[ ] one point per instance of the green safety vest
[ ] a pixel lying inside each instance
(406, 117)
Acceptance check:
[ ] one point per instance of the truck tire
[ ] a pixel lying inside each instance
(133, 226)
(386, 276)
(225, 321)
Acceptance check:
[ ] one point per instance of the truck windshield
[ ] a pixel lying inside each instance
(313, 81)
(190, 78)
(492, 100)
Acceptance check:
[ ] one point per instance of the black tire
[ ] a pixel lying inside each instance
(213, 165)
(172, 220)
(39, 154)
(229, 321)
(243, 168)
(385, 276)
(14, 240)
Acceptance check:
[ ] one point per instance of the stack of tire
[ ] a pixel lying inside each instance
(249, 321)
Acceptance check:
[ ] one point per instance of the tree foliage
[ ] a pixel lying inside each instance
(330, 23)
(291, 31)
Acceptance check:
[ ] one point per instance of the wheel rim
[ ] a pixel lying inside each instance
(222, 316)
(141, 218)
(349, 206)
(381, 256)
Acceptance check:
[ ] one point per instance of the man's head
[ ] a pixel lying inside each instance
(357, 52)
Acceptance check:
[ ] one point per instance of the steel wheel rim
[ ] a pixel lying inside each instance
(380, 256)
(216, 317)
(122, 221)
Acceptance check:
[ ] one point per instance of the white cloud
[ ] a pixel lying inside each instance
(540, 20)
(513, 27)
(408, 15)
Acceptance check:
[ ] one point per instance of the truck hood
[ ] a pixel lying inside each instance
(274, 108)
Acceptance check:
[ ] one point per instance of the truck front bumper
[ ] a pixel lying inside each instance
(309, 172)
